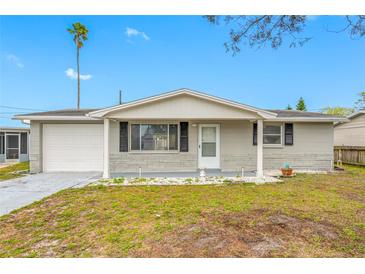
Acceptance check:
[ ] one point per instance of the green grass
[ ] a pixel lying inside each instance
(325, 213)
(9, 172)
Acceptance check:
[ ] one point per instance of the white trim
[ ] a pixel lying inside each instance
(281, 125)
(307, 119)
(106, 169)
(130, 150)
(260, 112)
(260, 141)
(216, 162)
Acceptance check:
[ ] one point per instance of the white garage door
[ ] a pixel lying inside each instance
(72, 147)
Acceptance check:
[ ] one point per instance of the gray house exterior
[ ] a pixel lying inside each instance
(14, 144)
(352, 132)
(182, 130)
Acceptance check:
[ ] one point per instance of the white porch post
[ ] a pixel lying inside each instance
(106, 171)
(260, 139)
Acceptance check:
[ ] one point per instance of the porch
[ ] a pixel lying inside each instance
(221, 147)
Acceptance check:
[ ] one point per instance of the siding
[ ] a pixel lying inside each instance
(312, 149)
(183, 107)
(351, 133)
(35, 149)
(132, 161)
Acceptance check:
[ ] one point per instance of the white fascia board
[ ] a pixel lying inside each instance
(263, 113)
(54, 118)
(307, 119)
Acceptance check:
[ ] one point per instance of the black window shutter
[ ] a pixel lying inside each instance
(254, 140)
(2, 143)
(23, 143)
(123, 137)
(289, 134)
(184, 136)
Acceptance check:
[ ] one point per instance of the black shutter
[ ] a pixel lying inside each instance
(123, 137)
(2, 143)
(254, 140)
(23, 143)
(184, 136)
(289, 134)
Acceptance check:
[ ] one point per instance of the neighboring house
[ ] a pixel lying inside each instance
(352, 132)
(14, 143)
(182, 130)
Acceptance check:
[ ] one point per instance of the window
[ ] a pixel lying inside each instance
(154, 137)
(272, 135)
(23, 143)
(2, 143)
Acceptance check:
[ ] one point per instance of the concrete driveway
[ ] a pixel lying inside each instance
(22, 191)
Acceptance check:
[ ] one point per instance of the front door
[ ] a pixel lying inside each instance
(209, 146)
(12, 147)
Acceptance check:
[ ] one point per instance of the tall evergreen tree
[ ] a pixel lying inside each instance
(289, 107)
(301, 105)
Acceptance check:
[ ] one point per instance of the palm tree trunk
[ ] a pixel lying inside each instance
(78, 76)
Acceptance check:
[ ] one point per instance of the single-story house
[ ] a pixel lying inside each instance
(178, 131)
(352, 132)
(14, 143)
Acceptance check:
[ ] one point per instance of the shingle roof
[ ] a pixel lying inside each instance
(280, 113)
(300, 114)
(62, 112)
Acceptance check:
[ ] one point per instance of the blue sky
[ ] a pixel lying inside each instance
(164, 53)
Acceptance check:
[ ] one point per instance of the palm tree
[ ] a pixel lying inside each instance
(79, 32)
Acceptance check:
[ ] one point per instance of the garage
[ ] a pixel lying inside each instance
(72, 147)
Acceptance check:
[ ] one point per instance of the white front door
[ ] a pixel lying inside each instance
(209, 146)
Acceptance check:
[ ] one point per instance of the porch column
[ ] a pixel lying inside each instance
(260, 139)
(106, 171)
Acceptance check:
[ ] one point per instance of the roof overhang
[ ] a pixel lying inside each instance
(356, 114)
(309, 119)
(107, 111)
(53, 118)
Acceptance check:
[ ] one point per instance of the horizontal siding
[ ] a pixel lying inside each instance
(351, 133)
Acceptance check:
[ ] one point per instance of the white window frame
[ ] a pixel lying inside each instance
(281, 125)
(154, 151)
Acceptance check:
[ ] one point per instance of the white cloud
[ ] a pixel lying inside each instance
(72, 74)
(130, 32)
(15, 60)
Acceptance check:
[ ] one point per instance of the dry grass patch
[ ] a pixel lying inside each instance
(13, 171)
(305, 216)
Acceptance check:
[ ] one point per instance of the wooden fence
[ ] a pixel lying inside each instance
(350, 155)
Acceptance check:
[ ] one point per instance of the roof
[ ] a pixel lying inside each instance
(297, 113)
(354, 115)
(184, 91)
(62, 112)
(14, 129)
(96, 114)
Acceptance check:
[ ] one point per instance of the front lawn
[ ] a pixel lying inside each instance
(305, 216)
(13, 171)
